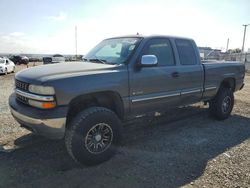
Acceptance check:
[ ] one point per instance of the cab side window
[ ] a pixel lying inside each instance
(186, 52)
(162, 49)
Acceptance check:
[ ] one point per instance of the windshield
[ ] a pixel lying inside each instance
(112, 51)
(2, 61)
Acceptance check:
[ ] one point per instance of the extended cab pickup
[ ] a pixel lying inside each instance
(121, 78)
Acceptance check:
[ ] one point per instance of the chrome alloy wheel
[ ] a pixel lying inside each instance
(99, 138)
(226, 104)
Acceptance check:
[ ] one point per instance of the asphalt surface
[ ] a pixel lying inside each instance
(183, 148)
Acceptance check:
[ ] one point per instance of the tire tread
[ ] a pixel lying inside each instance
(214, 104)
(81, 116)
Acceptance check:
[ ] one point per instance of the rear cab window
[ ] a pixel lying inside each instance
(186, 52)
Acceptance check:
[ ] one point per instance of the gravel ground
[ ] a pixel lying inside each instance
(192, 150)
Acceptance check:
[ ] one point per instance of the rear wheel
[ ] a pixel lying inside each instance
(221, 106)
(93, 135)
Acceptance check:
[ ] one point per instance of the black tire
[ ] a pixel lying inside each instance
(222, 105)
(83, 126)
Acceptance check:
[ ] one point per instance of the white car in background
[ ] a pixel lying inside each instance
(6, 66)
(57, 58)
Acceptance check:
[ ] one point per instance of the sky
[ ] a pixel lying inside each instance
(48, 26)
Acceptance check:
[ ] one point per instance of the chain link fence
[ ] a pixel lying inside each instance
(244, 57)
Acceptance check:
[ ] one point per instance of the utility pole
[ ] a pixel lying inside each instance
(227, 44)
(244, 37)
(76, 40)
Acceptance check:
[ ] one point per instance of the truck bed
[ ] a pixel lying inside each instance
(216, 71)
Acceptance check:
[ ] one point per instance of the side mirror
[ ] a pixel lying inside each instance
(148, 61)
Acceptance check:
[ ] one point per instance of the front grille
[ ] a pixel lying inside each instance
(22, 85)
(22, 98)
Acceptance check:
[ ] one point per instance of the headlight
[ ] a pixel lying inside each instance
(42, 105)
(43, 90)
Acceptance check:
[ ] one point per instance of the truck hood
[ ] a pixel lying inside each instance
(43, 73)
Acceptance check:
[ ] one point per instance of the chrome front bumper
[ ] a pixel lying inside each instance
(51, 128)
(56, 123)
(50, 123)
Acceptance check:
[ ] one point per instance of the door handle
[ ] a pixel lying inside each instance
(175, 74)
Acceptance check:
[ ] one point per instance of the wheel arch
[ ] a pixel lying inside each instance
(108, 99)
(228, 83)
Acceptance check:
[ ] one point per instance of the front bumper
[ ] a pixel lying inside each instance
(49, 123)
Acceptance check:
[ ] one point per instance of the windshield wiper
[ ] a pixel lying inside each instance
(97, 60)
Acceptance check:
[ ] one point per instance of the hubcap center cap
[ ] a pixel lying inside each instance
(98, 137)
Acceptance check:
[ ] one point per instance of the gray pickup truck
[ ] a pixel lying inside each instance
(120, 79)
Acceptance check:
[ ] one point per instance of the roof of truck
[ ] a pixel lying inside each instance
(151, 36)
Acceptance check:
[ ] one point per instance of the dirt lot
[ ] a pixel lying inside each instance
(193, 150)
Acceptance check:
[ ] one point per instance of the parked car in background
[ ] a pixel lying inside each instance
(18, 59)
(57, 58)
(34, 59)
(47, 60)
(6, 66)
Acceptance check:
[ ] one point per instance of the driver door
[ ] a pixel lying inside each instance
(155, 88)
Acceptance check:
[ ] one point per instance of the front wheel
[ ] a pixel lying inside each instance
(93, 135)
(222, 105)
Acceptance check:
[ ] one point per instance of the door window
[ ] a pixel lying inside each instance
(162, 49)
